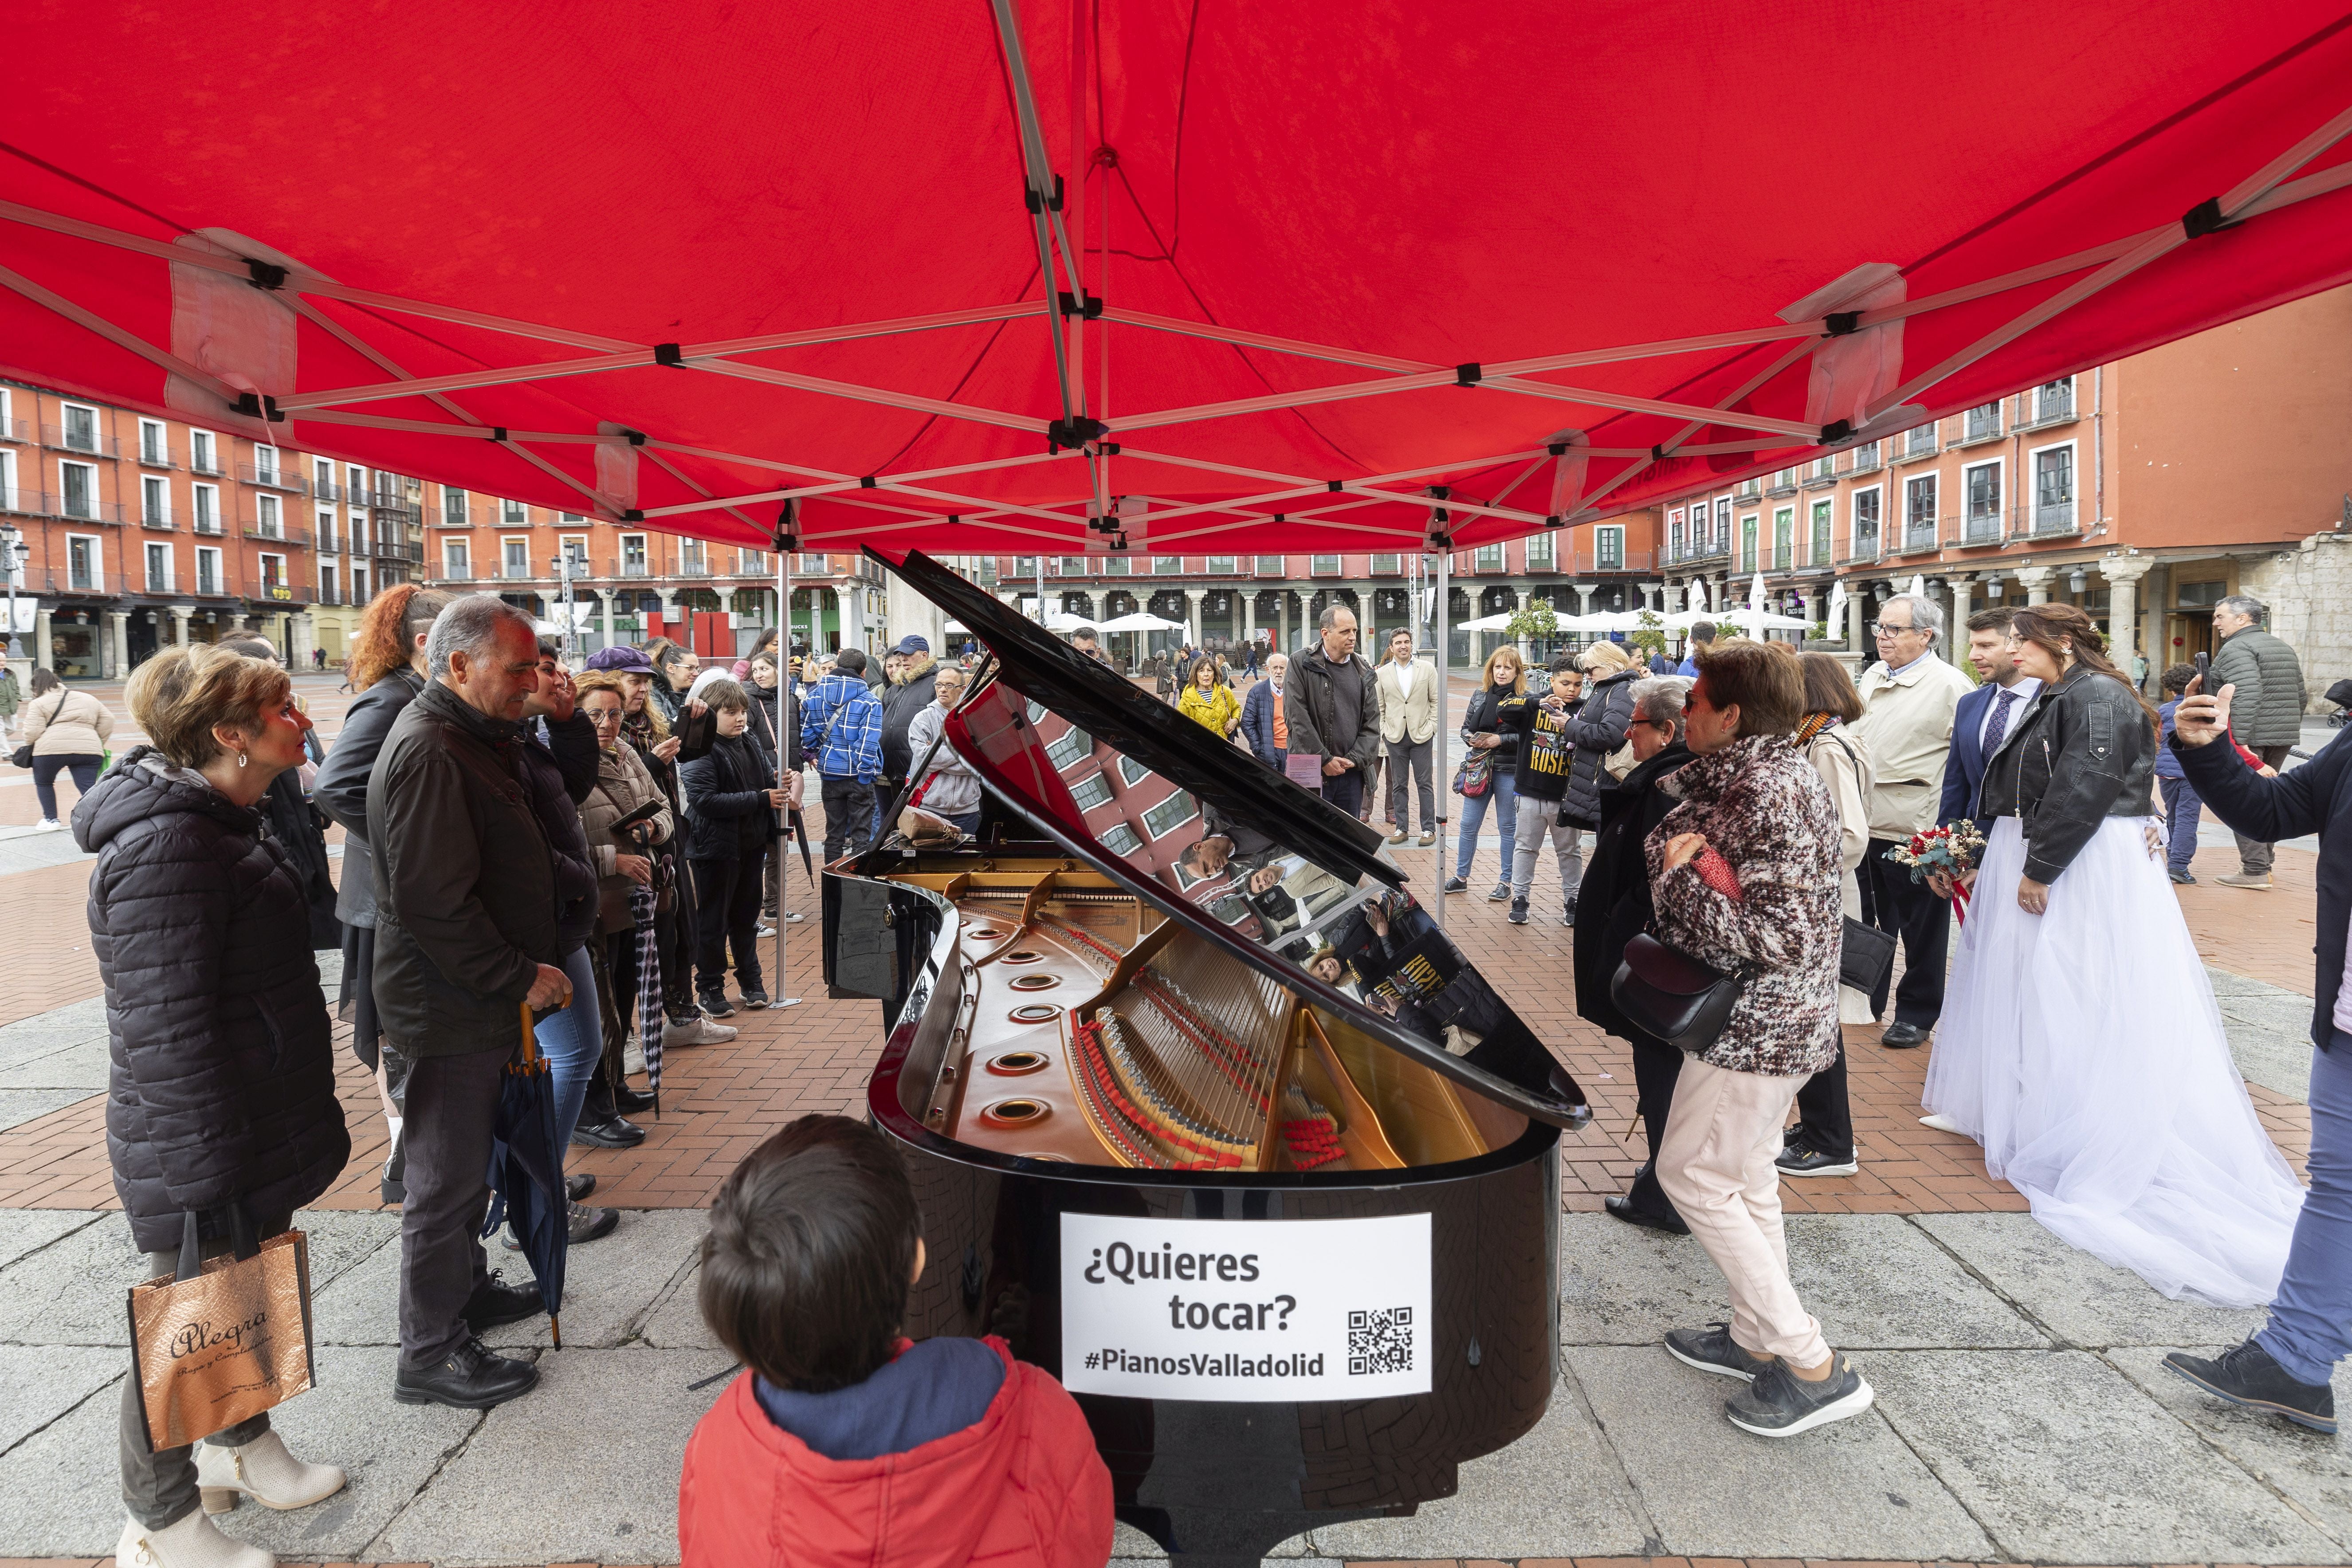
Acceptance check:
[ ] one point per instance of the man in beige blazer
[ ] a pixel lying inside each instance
(1408, 723)
(1908, 698)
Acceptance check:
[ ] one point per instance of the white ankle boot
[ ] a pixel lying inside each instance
(194, 1543)
(264, 1471)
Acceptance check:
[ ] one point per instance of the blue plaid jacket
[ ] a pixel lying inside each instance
(854, 747)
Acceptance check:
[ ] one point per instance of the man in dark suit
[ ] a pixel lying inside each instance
(1984, 715)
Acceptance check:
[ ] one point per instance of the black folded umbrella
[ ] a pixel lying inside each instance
(527, 1172)
(800, 832)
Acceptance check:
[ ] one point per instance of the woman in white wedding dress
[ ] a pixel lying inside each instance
(2079, 1044)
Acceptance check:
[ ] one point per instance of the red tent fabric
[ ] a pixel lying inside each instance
(688, 260)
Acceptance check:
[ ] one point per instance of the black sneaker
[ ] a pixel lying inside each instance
(754, 999)
(1779, 1404)
(585, 1225)
(1519, 916)
(496, 1303)
(1568, 913)
(578, 1186)
(1498, 892)
(1712, 1349)
(2247, 1376)
(1457, 884)
(716, 1005)
(471, 1378)
(1801, 1159)
(2187, 878)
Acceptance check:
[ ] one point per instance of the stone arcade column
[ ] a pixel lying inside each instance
(42, 649)
(301, 638)
(180, 614)
(1249, 617)
(1193, 597)
(2123, 573)
(2036, 581)
(1956, 642)
(115, 658)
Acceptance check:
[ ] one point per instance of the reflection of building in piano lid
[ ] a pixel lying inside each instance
(1132, 812)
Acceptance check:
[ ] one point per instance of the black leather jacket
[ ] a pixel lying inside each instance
(2085, 751)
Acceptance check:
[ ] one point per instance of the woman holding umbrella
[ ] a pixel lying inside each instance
(222, 1092)
(627, 888)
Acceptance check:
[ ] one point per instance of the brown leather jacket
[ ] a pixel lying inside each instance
(624, 783)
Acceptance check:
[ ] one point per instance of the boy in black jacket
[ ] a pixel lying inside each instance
(1539, 780)
(730, 817)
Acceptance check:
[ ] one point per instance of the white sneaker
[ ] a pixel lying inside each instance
(1942, 1123)
(700, 1032)
(765, 932)
(264, 1471)
(192, 1542)
(50, 825)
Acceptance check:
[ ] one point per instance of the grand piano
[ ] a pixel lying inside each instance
(1206, 1115)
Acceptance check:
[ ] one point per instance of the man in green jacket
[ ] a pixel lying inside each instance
(2267, 714)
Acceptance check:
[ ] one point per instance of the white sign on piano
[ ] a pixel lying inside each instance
(1245, 1311)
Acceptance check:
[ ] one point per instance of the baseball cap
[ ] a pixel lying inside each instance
(910, 643)
(621, 658)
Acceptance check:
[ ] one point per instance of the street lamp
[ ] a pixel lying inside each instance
(12, 557)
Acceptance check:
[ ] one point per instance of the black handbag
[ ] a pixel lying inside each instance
(22, 757)
(1668, 994)
(1865, 957)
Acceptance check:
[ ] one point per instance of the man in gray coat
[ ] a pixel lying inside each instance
(2267, 712)
(1333, 706)
(466, 935)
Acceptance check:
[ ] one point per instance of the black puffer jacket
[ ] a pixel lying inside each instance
(726, 811)
(1597, 729)
(916, 688)
(294, 826)
(2085, 751)
(341, 789)
(561, 771)
(223, 1081)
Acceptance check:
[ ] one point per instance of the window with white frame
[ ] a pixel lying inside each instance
(203, 508)
(355, 523)
(1541, 553)
(1171, 814)
(1723, 525)
(273, 573)
(691, 559)
(1747, 527)
(1980, 483)
(1920, 438)
(78, 489)
(159, 568)
(204, 452)
(633, 556)
(1675, 534)
(1784, 537)
(355, 478)
(154, 443)
(453, 506)
(1608, 549)
(1269, 566)
(268, 519)
(456, 560)
(515, 558)
(2053, 489)
(571, 519)
(359, 583)
(1863, 538)
(1488, 558)
(1817, 532)
(575, 550)
(322, 479)
(154, 500)
(329, 572)
(84, 565)
(80, 428)
(513, 513)
(325, 518)
(1919, 511)
(2053, 401)
(208, 570)
(265, 465)
(10, 500)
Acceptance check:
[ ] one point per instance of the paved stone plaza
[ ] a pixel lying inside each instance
(2021, 1414)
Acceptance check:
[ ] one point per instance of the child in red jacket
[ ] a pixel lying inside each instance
(845, 1443)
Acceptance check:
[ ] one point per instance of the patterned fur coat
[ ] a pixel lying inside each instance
(1765, 810)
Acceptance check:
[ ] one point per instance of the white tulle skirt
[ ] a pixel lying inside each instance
(2083, 1049)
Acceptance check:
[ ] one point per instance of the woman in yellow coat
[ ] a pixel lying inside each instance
(1213, 707)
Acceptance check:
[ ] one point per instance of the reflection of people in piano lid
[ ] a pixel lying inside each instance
(1327, 966)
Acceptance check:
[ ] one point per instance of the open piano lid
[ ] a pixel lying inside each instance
(1299, 889)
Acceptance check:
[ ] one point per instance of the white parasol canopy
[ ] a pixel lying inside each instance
(1139, 621)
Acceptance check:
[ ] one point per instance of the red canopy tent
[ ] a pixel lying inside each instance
(964, 278)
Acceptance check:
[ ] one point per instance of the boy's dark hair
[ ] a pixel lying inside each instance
(850, 661)
(1565, 664)
(810, 1256)
(1702, 631)
(725, 695)
(2176, 679)
(1767, 688)
(1992, 620)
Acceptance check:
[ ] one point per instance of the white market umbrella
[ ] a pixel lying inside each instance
(1496, 623)
(1140, 621)
(1918, 588)
(1063, 621)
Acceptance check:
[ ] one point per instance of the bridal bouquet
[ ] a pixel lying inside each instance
(1952, 850)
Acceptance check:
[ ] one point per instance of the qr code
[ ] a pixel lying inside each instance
(1380, 1341)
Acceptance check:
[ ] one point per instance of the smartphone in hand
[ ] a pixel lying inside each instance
(2204, 662)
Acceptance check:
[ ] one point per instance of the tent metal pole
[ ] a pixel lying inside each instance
(1440, 780)
(783, 998)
